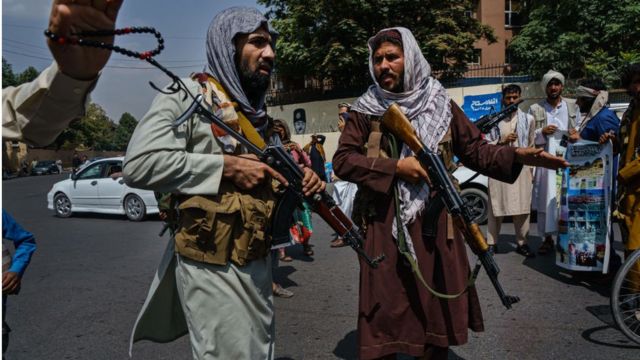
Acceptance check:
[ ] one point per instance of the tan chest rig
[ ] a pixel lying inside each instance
(364, 207)
(233, 225)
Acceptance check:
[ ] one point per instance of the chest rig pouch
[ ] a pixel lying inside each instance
(232, 225)
(365, 199)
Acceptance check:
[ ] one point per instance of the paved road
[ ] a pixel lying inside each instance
(91, 273)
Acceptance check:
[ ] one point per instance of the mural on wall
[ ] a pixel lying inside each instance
(299, 121)
(475, 106)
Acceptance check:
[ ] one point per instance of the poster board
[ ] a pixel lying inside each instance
(585, 208)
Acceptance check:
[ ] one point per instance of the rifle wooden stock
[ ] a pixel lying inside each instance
(472, 234)
(397, 123)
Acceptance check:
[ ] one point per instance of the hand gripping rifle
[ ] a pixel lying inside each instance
(278, 158)
(398, 124)
(487, 122)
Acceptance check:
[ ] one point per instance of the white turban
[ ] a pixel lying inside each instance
(551, 74)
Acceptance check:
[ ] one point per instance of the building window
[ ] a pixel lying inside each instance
(477, 57)
(508, 56)
(473, 11)
(512, 10)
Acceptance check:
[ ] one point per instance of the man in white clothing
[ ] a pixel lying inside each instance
(555, 116)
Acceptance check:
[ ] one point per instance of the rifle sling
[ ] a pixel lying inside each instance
(248, 130)
(402, 243)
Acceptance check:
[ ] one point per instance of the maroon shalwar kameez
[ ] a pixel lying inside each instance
(397, 314)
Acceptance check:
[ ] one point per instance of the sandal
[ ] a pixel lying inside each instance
(546, 246)
(307, 250)
(279, 291)
(286, 258)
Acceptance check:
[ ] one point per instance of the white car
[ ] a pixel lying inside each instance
(99, 187)
(474, 191)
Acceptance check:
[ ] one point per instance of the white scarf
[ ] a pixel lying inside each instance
(427, 105)
(601, 100)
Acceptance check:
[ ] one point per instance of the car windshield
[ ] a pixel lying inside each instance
(44, 163)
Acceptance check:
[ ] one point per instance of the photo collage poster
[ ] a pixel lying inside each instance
(583, 236)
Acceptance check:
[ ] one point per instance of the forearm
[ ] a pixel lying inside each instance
(351, 165)
(38, 111)
(175, 171)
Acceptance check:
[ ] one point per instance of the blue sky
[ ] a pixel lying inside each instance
(123, 86)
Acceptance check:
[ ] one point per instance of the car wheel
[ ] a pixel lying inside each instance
(478, 202)
(134, 207)
(62, 205)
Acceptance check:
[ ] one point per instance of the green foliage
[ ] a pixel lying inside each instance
(123, 132)
(93, 131)
(580, 38)
(327, 39)
(8, 77)
(29, 74)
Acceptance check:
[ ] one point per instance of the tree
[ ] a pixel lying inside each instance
(29, 74)
(8, 77)
(327, 39)
(94, 131)
(580, 38)
(123, 132)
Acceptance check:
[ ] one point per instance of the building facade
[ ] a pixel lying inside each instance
(504, 17)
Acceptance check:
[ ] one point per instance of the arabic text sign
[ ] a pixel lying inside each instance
(475, 106)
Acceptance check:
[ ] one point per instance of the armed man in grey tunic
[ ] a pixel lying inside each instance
(215, 278)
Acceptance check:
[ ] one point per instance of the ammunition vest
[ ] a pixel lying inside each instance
(233, 225)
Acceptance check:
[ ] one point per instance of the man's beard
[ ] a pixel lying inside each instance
(399, 86)
(254, 83)
(553, 96)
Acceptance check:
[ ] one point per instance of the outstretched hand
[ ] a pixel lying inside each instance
(72, 16)
(537, 157)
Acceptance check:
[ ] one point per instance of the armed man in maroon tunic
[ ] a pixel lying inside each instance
(398, 313)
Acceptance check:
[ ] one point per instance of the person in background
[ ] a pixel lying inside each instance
(512, 199)
(302, 227)
(76, 162)
(343, 115)
(343, 191)
(38, 111)
(628, 196)
(13, 267)
(34, 163)
(317, 155)
(554, 113)
(600, 123)
(84, 160)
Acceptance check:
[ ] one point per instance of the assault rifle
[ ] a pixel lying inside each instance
(280, 160)
(398, 124)
(487, 122)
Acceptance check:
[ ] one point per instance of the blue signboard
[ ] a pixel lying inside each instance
(477, 105)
